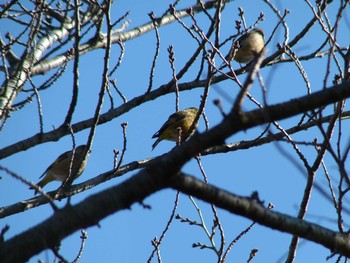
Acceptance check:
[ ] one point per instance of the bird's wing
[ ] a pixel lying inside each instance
(241, 38)
(60, 158)
(173, 118)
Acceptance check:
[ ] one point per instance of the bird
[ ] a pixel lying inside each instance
(178, 122)
(249, 45)
(59, 169)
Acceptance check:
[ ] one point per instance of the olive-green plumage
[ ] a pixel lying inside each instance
(59, 169)
(180, 121)
(250, 44)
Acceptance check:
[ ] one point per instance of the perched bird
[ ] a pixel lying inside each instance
(249, 45)
(59, 169)
(180, 121)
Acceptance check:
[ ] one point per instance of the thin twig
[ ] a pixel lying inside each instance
(154, 20)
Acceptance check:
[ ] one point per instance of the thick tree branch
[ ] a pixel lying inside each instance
(253, 209)
(119, 37)
(160, 174)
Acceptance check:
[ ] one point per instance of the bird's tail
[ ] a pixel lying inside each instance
(155, 143)
(42, 183)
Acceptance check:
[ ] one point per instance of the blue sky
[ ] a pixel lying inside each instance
(126, 236)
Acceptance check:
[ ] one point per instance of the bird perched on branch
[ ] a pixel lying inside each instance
(247, 46)
(177, 127)
(59, 169)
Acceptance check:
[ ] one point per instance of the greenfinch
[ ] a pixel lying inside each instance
(59, 169)
(249, 45)
(178, 122)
